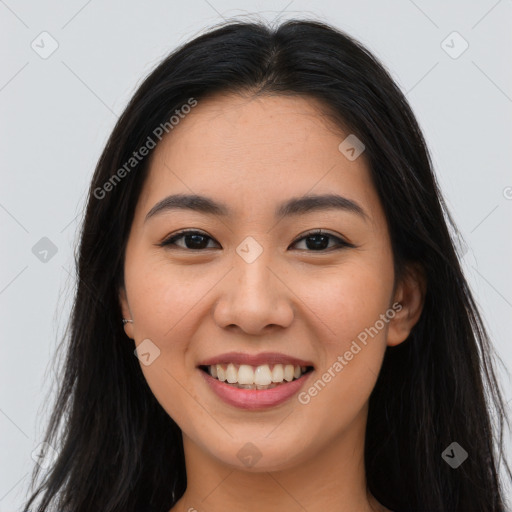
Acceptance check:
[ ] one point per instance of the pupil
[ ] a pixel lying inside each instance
(322, 244)
(197, 238)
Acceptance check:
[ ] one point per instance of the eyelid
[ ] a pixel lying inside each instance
(342, 242)
(168, 239)
(319, 231)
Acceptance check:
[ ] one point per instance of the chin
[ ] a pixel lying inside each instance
(260, 455)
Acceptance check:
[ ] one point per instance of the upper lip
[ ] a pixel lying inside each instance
(255, 359)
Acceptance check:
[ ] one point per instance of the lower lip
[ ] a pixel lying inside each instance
(255, 398)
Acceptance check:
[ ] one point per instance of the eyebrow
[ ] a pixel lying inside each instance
(291, 207)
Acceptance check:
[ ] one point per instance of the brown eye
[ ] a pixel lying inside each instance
(193, 240)
(318, 241)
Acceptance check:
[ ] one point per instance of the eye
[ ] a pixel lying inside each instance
(316, 240)
(195, 240)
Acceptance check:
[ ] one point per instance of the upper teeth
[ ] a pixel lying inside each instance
(261, 375)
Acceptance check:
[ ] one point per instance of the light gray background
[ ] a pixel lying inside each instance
(56, 114)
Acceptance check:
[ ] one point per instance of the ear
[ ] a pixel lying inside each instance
(125, 309)
(410, 293)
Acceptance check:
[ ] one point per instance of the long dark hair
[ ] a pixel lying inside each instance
(120, 451)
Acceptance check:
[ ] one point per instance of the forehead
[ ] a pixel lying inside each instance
(269, 128)
(253, 151)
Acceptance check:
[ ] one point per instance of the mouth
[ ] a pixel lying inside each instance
(260, 377)
(255, 381)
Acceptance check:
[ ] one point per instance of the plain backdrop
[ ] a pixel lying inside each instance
(67, 71)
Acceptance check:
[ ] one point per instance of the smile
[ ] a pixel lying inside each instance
(265, 376)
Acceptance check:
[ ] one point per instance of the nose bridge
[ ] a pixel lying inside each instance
(254, 297)
(253, 277)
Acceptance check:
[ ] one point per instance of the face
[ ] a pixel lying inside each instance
(249, 281)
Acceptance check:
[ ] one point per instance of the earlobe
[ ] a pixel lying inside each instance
(127, 315)
(410, 293)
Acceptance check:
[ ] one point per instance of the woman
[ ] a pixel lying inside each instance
(265, 233)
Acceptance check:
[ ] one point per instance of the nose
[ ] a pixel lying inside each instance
(254, 297)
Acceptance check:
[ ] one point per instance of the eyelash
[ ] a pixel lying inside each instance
(316, 232)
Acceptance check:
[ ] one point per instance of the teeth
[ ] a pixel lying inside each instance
(288, 372)
(245, 374)
(260, 377)
(277, 373)
(221, 374)
(231, 374)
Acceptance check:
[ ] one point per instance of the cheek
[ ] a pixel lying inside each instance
(348, 299)
(164, 297)
(350, 303)
(165, 301)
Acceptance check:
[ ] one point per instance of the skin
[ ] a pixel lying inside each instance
(251, 153)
